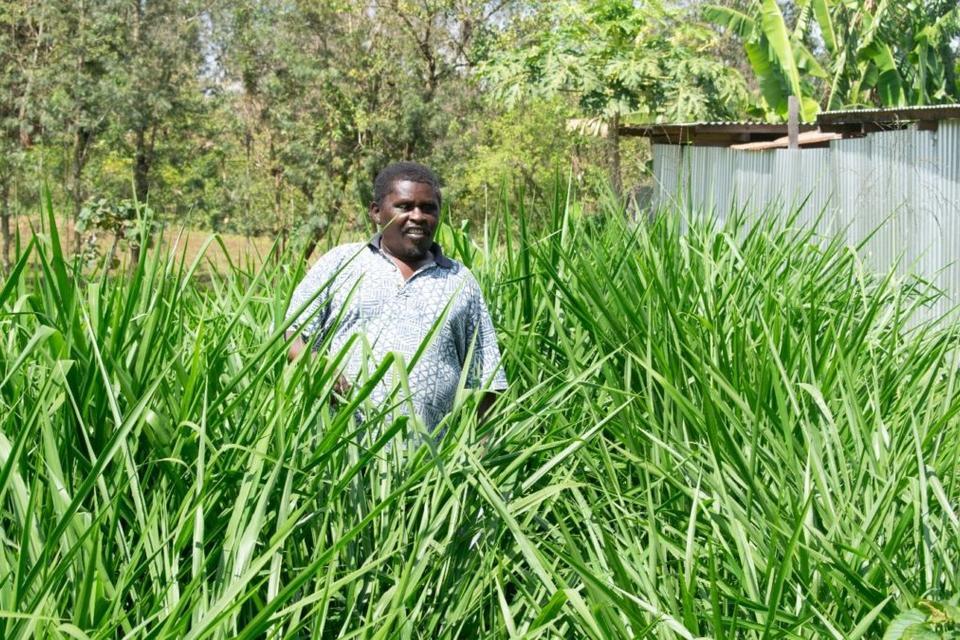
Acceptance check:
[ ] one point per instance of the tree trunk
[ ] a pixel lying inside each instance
(949, 72)
(142, 162)
(277, 172)
(141, 188)
(5, 223)
(278, 248)
(315, 237)
(108, 265)
(81, 142)
(141, 168)
(316, 233)
(613, 154)
(135, 253)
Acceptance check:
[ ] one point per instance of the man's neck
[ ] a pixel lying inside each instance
(408, 267)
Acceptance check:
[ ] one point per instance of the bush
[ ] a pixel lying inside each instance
(727, 432)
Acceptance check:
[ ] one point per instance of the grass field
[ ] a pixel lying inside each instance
(189, 242)
(729, 432)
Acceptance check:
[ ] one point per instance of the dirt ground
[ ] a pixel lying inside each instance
(187, 241)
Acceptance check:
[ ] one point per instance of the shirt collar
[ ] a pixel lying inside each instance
(438, 257)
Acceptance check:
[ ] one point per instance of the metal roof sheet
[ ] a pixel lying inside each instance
(806, 138)
(850, 121)
(711, 133)
(922, 112)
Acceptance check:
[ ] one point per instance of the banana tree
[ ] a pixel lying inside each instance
(874, 52)
(778, 55)
(889, 53)
(862, 60)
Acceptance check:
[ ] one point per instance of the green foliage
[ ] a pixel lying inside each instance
(204, 111)
(158, 80)
(102, 214)
(776, 56)
(511, 148)
(731, 431)
(126, 220)
(347, 90)
(847, 54)
(620, 58)
(927, 621)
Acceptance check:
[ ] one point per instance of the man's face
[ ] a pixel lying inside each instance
(408, 216)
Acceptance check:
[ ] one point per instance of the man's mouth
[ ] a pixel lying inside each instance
(415, 232)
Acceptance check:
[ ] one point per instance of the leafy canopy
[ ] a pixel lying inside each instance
(619, 59)
(837, 54)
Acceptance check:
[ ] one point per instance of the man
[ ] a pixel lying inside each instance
(391, 292)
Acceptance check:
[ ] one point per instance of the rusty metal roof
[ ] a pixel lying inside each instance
(851, 122)
(719, 134)
(869, 120)
(805, 139)
(924, 112)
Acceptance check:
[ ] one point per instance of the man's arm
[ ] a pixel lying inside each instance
(486, 371)
(483, 407)
(313, 289)
(296, 347)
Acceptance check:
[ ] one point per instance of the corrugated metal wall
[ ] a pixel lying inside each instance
(896, 192)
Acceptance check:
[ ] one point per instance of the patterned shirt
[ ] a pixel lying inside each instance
(357, 291)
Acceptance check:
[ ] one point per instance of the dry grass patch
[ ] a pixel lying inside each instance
(189, 242)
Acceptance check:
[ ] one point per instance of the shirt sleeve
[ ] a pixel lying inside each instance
(314, 292)
(486, 370)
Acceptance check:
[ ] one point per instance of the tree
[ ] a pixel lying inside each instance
(78, 95)
(157, 74)
(847, 54)
(22, 47)
(777, 54)
(347, 89)
(274, 115)
(290, 95)
(620, 61)
(889, 53)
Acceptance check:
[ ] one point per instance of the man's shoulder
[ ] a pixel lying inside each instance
(346, 250)
(340, 255)
(463, 278)
(453, 269)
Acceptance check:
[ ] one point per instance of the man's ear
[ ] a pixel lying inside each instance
(374, 213)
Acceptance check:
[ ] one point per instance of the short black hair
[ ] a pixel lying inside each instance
(397, 171)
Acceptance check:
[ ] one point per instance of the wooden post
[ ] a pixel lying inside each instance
(793, 122)
(613, 154)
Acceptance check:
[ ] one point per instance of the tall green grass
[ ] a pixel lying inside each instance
(730, 432)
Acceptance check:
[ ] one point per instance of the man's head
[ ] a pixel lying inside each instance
(406, 207)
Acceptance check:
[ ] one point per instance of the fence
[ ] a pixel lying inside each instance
(902, 186)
